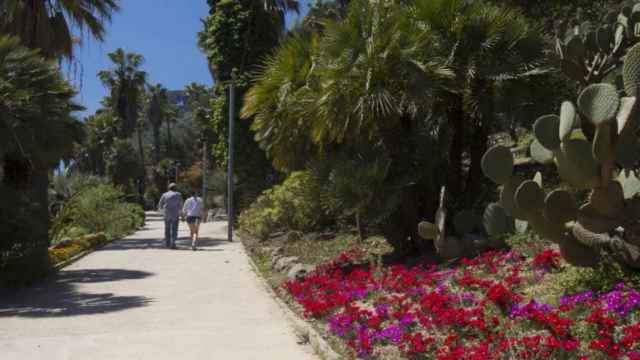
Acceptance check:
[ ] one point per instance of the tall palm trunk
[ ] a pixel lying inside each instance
(169, 143)
(402, 228)
(479, 145)
(143, 177)
(156, 143)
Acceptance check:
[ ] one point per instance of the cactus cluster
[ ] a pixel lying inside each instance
(590, 53)
(595, 146)
(468, 229)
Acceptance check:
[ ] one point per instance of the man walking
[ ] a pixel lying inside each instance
(171, 205)
(193, 211)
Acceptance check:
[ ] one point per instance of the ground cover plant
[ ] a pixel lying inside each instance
(488, 307)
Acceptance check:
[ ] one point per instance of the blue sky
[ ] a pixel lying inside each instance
(163, 31)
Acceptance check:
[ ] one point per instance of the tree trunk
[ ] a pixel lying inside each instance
(475, 175)
(481, 128)
(169, 145)
(156, 143)
(359, 226)
(456, 120)
(401, 230)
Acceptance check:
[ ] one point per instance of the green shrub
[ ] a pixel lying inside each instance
(601, 278)
(292, 205)
(98, 209)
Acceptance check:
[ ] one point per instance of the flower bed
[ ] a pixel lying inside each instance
(60, 254)
(478, 309)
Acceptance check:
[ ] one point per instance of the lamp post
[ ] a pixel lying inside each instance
(204, 177)
(232, 95)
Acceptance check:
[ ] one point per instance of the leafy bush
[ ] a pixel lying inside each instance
(292, 205)
(604, 277)
(98, 209)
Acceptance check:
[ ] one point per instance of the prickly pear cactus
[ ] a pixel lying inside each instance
(606, 163)
(590, 53)
(496, 222)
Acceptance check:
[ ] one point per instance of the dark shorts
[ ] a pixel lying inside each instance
(193, 219)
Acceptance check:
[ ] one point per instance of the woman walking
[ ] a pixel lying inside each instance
(192, 209)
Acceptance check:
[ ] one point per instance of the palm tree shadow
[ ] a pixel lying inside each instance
(60, 295)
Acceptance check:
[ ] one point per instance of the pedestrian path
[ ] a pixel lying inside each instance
(134, 299)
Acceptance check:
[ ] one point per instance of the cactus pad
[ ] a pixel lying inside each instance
(590, 218)
(576, 164)
(630, 184)
(546, 129)
(609, 201)
(545, 228)
(541, 154)
(529, 197)
(602, 147)
(568, 119)
(507, 197)
(560, 206)
(537, 178)
(428, 230)
(578, 254)
(631, 71)
(496, 221)
(627, 105)
(599, 103)
(627, 150)
(497, 164)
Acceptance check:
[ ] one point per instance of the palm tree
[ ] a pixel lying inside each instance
(364, 83)
(156, 113)
(487, 47)
(47, 24)
(36, 132)
(126, 82)
(277, 99)
(170, 117)
(280, 8)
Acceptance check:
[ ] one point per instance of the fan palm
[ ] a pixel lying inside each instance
(280, 8)
(48, 24)
(487, 47)
(373, 77)
(276, 102)
(126, 82)
(36, 132)
(364, 83)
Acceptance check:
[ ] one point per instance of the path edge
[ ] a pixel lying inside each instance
(300, 327)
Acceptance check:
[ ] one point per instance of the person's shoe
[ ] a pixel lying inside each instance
(193, 247)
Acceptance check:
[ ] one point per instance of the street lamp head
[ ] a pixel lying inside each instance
(234, 74)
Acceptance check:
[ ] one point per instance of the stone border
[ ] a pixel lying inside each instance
(300, 327)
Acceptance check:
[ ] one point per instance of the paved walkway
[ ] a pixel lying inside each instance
(135, 299)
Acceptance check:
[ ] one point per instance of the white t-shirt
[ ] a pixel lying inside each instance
(193, 207)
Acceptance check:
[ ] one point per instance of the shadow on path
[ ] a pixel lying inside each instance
(204, 243)
(60, 295)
